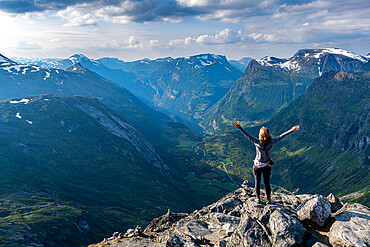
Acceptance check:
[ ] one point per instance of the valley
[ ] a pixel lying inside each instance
(91, 146)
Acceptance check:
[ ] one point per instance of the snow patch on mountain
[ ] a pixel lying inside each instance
(295, 62)
(25, 101)
(47, 75)
(345, 53)
(18, 115)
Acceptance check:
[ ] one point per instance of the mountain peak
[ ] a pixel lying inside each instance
(4, 61)
(77, 68)
(203, 60)
(78, 56)
(310, 56)
(318, 53)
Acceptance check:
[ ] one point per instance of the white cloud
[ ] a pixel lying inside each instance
(153, 43)
(263, 37)
(76, 16)
(226, 36)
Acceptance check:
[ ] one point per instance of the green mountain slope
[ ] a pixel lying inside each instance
(330, 153)
(189, 85)
(270, 84)
(22, 80)
(73, 170)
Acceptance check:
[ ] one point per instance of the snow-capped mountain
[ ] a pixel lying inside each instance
(271, 83)
(18, 80)
(189, 85)
(317, 58)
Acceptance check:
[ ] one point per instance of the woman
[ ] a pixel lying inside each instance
(264, 145)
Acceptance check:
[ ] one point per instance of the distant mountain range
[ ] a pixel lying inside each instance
(185, 87)
(269, 84)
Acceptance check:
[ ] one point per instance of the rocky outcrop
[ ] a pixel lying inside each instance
(238, 220)
(352, 226)
(316, 210)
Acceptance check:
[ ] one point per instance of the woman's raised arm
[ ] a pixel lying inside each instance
(276, 139)
(254, 140)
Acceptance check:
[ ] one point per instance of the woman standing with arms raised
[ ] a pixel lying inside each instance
(262, 162)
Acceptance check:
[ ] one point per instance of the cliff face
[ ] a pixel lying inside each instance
(238, 220)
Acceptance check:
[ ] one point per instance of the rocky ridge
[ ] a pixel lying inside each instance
(238, 220)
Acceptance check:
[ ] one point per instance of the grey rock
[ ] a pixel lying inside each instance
(315, 210)
(249, 233)
(286, 230)
(351, 226)
(226, 206)
(116, 234)
(334, 202)
(181, 240)
(164, 222)
(196, 229)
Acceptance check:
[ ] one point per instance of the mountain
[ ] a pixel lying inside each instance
(238, 220)
(73, 170)
(22, 80)
(241, 64)
(114, 63)
(269, 84)
(189, 85)
(141, 68)
(330, 152)
(334, 116)
(117, 75)
(181, 87)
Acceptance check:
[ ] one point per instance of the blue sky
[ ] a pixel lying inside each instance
(134, 29)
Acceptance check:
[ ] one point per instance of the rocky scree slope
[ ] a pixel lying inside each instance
(270, 83)
(238, 220)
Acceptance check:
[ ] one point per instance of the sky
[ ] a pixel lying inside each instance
(136, 29)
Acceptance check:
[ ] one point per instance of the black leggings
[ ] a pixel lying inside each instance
(266, 179)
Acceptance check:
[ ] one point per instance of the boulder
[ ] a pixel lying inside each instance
(334, 202)
(286, 230)
(164, 222)
(315, 210)
(197, 229)
(249, 233)
(226, 206)
(351, 226)
(181, 240)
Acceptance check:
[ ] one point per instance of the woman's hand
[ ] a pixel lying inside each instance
(236, 125)
(295, 128)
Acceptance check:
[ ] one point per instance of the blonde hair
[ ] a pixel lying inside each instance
(264, 136)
